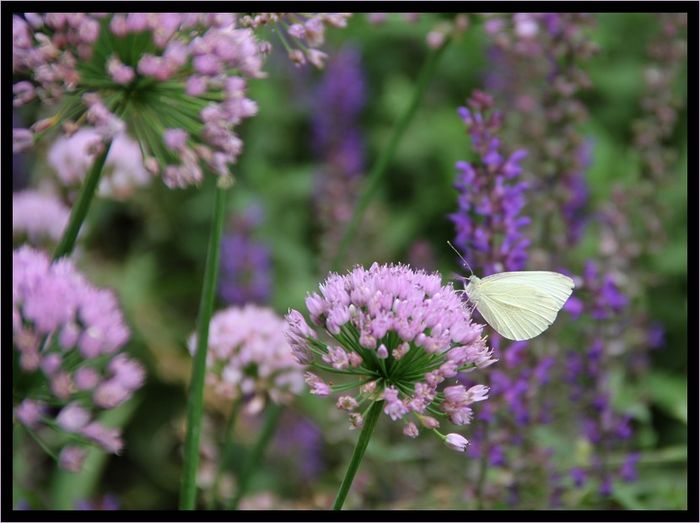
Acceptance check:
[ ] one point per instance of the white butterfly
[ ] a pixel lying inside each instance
(519, 305)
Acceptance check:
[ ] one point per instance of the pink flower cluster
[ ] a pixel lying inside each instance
(207, 51)
(248, 357)
(49, 46)
(38, 217)
(72, 156)
(306, 31)
(70, 332)
(403, 334)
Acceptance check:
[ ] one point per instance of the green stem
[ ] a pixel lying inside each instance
(81, 207)
(41, 443)
(195, 400)
(271, 418)
(370, 421)
(378, 169)
(226, 445)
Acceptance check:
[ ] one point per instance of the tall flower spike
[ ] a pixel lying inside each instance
(338, 144)
(245, 262)
(373, 313)
(489, 222)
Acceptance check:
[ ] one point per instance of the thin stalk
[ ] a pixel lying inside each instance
(379, 168)
(195, 400)
(362, 442)
(226, 444)
(82, 205)
(272, 416)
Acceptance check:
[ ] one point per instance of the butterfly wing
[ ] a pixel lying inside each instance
(515, 310)
(557, 286)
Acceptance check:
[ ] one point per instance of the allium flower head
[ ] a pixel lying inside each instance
(69, 334)
(249, 357)
(401, 335)
(38, 217)
(72, 156)
(149, 74)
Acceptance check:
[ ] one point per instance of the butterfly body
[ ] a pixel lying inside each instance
(520, 305)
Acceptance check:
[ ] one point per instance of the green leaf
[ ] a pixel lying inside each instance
(669, 393)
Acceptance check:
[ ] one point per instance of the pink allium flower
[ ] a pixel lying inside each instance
(71, 332)
(120, 73)
(72, 458)
(409, 334)
(71, 158)
(456, 442)
(305, 32)
(164, 81)
(38, 217)
(249, 356)
(29, 412)
(107, 437)
(73, 417)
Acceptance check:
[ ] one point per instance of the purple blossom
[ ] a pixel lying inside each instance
(578, 476)
(488, 222)
(628, 472)
(301, 438)
(337, 142)
(605, 488)
(106, 502)
(245, 264)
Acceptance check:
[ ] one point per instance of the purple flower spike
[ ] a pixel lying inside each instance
(488, 222)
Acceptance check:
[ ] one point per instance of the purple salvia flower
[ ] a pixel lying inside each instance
(490, 200)
(628, 472)
(245, 263)
(301, 438)
(337, 141)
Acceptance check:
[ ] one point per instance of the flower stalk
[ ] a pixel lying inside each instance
(362, 442)
(82, 205)
(195, 401)
(226, 446)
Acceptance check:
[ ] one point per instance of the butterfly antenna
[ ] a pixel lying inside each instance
(460, 257)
